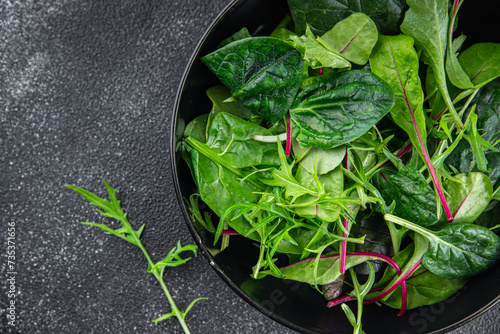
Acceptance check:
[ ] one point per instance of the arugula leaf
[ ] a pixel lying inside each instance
(322, 15)
(112, 209)
(354, 37)
(263, 72)
(336, 109)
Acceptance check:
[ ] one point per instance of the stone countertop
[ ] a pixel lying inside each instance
(87, 89)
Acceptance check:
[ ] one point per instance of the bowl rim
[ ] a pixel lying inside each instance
(192, 230)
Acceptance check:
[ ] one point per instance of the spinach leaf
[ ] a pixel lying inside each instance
(318, 161)
(222, 102)
(457, 250)
(415, 199)
(243, 33)
(469, 195)
(215, 175)
(318, 54)
(481, 62)
(427, 22)
(354, 37)
(339, 108)
(197, 128)
(322, 15)
(423, 287)
(263, 72)
(232, 138)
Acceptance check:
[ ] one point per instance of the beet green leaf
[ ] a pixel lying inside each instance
(263, 72)
(481, 62)
(336, 109)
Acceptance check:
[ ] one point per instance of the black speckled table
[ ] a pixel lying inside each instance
(86, 93)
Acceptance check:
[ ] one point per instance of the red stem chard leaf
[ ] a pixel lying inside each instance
(415, 199)
(481, 62)
(322, 15)
(457, 250)
(263, 72)
(395, 60)
(470, 194)
(427, 22)
(354, 37)
(336, 109)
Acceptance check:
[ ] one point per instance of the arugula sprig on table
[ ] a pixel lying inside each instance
(112, 209)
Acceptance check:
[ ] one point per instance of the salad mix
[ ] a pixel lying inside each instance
(361, 145)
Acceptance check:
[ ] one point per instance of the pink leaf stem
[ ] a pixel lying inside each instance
(424, 151)
(320, 71)
(229, 232)
(288, 136)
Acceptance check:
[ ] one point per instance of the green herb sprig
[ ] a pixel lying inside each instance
(112, 209)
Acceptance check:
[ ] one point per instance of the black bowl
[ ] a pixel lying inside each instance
(292, 304)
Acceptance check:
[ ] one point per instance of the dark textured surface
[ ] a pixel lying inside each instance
(86, 93)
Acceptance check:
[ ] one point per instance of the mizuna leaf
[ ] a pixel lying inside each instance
(263, 72)
(336, 109)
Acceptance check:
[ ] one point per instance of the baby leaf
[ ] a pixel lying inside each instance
(423, 287)
(481, 62)
(415, 199)
(322, 15)
(469, 195)
(232, 138)
(319, 161)
(354, 37)
(427, 22)
(458, 250)
(263, 72)
(317, 54)
(339, 108)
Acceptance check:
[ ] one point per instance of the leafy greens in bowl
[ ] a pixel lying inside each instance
(350, 151)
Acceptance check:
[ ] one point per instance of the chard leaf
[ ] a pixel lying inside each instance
(232, 138)
(423, 287)
(481, 62)
(322, 15)
(263, 72)
(320, 271)
(317, 54)
(458, 250)
(336, 109)
(469, 195)
(427, 22)
(354, 37)
(455, 72)
(415, 199)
